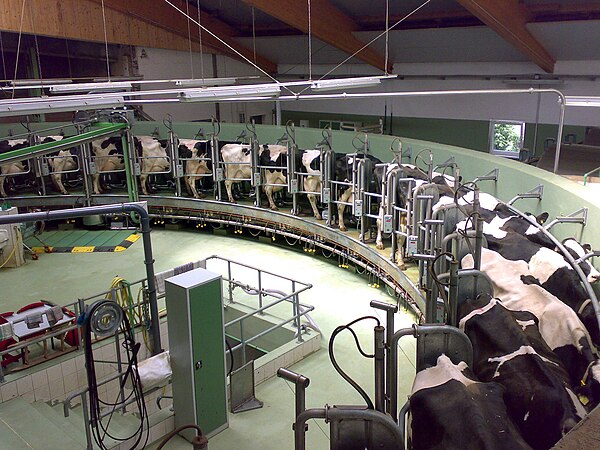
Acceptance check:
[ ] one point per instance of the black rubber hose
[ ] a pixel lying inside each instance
(343, 374)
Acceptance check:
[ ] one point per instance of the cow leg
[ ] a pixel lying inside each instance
(346, 195)
(401, 242)
(313, 184)
(144, 181)
(57, 180)
(96, 184)
(379, 240)
(269, 191)
(192, 187)
(228, 185)
(2, 191)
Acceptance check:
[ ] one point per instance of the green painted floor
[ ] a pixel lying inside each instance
(338, 295)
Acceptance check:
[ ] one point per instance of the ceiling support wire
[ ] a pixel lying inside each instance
(68, 58)
(200, 40)
(254, 38)
(371, 41)
(105, 41)
(187, 9)
(387, 34)
(309, 44)
(37, 47)
(229, 47)
(3, 60)
(18, 47)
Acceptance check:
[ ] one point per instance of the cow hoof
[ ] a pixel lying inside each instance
(402, 267)
(318, 217)
(274, 208)
(64, 193)
(343, 228)
(379, 246)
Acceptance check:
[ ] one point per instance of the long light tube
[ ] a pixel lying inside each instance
(38, 82)
(200, 82)
(264, 91)
(578, 100)
(52, 106)
(347, 83)
(91, 87)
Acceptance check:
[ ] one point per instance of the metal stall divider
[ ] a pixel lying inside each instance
(217, 169)
(173, 152)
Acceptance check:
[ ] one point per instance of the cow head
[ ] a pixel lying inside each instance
(578, 250)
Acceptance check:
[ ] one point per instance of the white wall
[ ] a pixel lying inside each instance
(169, 64)
(426, 77)
(157, 64)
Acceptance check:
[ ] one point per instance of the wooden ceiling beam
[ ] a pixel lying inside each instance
(509, 19)
(166, 17)
(328, 24)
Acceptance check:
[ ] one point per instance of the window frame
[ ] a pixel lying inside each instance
(505, 153)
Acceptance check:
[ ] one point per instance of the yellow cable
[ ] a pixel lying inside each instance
(12, 252)
(125, 300)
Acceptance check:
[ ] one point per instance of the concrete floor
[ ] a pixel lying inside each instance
(338, 295)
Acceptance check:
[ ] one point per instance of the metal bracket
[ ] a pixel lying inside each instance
(450, 162)
(490, 176)
(579, 216)
(536, 192)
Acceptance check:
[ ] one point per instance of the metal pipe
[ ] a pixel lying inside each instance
(453, 294)
(394, 366)
(301, 383)
(390, 310)
(561, 121)
(379, 352)
(110, 209)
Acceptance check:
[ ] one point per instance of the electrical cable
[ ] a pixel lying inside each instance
(99, 429)
(343, 374)
(231, 356)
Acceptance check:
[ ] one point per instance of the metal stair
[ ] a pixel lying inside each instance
(42, 425)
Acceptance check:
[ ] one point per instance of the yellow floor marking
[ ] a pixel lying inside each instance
(132, 238)
(87, 249)
(118, 248)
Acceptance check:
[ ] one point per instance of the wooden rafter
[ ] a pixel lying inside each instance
(509, 18)
(328, 24)
(166, 17)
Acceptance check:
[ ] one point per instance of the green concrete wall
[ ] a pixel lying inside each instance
(472, 134)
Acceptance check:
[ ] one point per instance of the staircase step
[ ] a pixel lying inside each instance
(35, 429)
(72, 425)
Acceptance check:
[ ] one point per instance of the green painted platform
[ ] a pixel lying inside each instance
(82, 241)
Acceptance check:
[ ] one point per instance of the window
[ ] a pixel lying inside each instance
(506, 138)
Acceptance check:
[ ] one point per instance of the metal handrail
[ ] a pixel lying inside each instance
(586, 175)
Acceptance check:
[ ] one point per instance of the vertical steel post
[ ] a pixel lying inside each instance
(379, 368)
(128, 157)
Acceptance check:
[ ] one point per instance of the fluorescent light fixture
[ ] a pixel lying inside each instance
(535, 82)
(199, 82)
(256, 91)
(344, 83)
(577, 100)
(38, 83)
(91, 87)
(51, 106)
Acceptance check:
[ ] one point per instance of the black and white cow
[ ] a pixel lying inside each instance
(153, 155)
(195, 164)
(508, 349)
(60, 162)
(108, 157)
(237, 159)
(450, 409)
(344, 165)
(559, 325)
(13, 168)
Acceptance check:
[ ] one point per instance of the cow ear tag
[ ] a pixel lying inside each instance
(583, 399)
